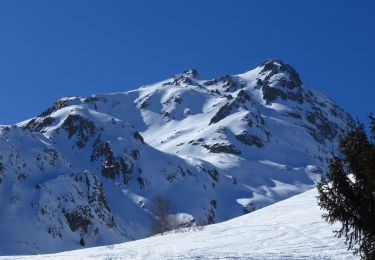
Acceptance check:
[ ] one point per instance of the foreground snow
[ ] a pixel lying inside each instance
(290, 229)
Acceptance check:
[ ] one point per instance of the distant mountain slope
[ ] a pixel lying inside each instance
(85, 171)
(290, 229)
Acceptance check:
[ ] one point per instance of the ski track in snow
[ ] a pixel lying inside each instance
(290, 229)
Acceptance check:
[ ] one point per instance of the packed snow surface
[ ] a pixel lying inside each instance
(290, 229)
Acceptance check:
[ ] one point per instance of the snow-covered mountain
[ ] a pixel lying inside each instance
(86, 169)
(290, 229)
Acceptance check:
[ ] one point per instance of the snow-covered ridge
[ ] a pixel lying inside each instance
(85, 171)
(290, 229)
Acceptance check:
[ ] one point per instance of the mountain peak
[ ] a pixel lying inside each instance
(185, 77)
(272, 62)
(90, 167)
(277, 66)
(192, 73)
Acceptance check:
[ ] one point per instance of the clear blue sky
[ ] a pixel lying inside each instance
(51, 49)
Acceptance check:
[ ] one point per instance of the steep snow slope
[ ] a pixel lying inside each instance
(290, 229)
(85, 171)
(75, 180)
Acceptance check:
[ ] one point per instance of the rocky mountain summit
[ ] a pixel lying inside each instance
(85, 171)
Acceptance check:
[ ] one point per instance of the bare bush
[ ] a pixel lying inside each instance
(163, 221)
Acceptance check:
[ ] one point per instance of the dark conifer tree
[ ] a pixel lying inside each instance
(347, 193)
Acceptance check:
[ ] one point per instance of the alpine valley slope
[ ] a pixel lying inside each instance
(290, 229)
(85, 171)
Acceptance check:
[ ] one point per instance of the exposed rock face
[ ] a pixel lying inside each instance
(55, 107)
(85, 171)
(113, 166)
(250, 139)
(38, 124)
(223, 112)
(78, 126)
(222, 148)
(281, 81)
